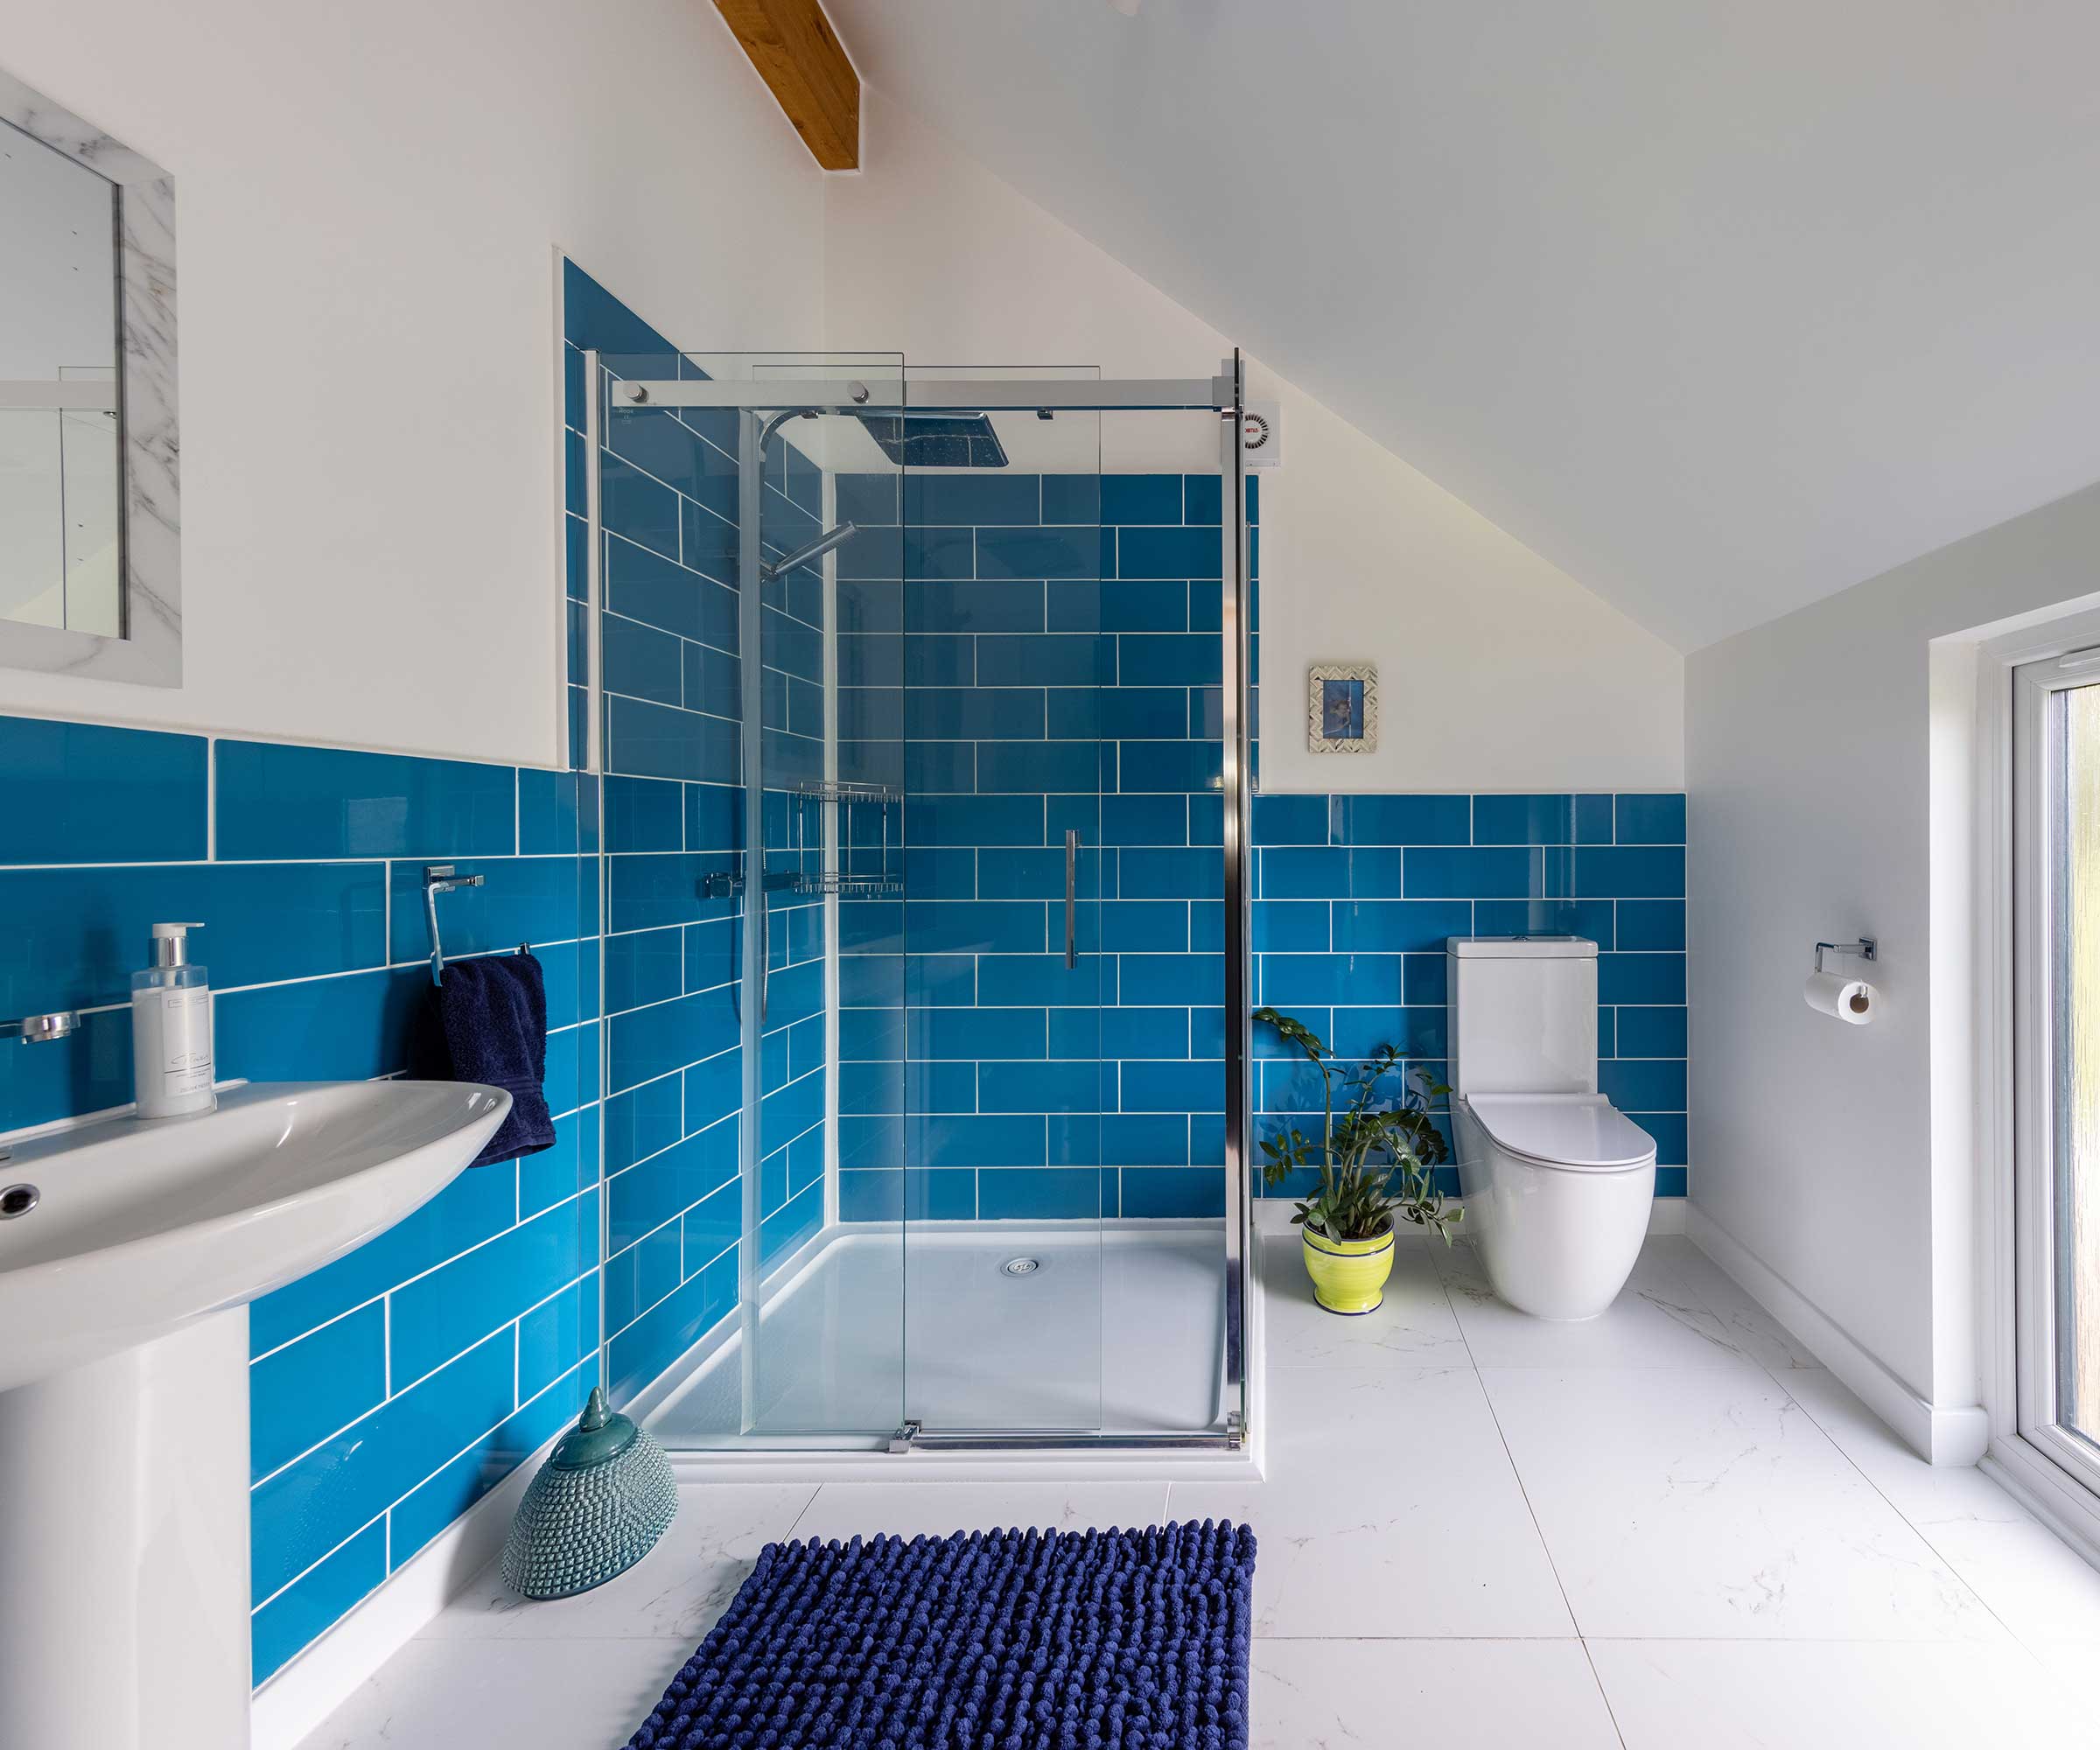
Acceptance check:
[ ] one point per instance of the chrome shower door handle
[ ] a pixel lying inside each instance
(1072, 897)
(764, 905)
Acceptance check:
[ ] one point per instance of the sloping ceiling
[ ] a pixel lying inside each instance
(1719, 308)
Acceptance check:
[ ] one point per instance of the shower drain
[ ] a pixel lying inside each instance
(1022, 1266)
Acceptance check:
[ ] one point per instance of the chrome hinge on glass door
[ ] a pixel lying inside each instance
(901, 1438)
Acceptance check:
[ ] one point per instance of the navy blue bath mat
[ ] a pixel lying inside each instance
(993, 1641)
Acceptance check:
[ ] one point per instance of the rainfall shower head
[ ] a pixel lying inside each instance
(810, 550)
(917, 440)
(936, 440)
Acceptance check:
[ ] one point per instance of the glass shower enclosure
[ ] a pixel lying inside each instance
(919, 698)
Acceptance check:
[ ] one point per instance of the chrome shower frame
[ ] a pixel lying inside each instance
(763, 407)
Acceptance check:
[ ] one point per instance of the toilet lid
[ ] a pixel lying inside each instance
(1577, 1130)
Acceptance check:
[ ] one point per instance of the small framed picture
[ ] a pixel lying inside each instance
(1342, 709)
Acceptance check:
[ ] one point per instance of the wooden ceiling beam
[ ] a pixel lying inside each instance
(797, 53)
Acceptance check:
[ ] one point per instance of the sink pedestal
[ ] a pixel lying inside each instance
(124, 1548)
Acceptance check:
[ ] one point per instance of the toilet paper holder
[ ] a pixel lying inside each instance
(1864, 948)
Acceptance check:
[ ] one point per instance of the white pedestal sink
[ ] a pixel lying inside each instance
(123, 1383)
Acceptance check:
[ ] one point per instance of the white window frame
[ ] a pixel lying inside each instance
(2025, 1454)
(2037, 753)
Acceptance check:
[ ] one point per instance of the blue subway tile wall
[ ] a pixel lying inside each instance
(85, 793)
(391, 1389)
(1354, 897)
(1026, 654)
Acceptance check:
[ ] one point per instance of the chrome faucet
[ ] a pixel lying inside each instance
(31, 1030)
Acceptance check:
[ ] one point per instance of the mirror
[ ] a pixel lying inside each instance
(88, 523)
(59, 522)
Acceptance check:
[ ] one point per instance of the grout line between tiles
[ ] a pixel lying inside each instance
(1538, 1531)
(1918, 1530)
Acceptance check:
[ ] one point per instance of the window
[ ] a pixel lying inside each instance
(2057, 990)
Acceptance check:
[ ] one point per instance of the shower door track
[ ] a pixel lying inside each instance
(910, 1438)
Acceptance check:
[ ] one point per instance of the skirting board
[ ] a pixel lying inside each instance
(1942, 1435)
(322, 1677)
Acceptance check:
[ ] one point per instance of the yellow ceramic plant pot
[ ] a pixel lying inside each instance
(1348, 1276)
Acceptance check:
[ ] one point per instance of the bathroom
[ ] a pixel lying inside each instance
(935, 624)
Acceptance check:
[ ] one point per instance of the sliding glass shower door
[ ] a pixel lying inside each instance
(821, 1342)
(740, 814)
(1006, 762)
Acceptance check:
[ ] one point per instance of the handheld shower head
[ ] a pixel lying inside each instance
(810, 550)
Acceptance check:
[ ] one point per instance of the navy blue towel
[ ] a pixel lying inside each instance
(487, 1023)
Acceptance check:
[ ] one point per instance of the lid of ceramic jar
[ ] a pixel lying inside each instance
(599, 1436)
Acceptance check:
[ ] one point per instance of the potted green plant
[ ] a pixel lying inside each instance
(1380, 1134)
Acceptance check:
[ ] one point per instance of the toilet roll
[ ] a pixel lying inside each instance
(1851, 1000)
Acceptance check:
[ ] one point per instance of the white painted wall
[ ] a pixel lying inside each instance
(1680, 295)
(1497, 670)
(1827, 759)
(369, 203)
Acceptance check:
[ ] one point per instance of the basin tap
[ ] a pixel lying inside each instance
(33, 1030)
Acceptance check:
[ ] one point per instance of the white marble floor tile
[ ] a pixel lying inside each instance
(1389, 1509)
(1743, 1322)
(674, 1593)
(2072, 1663)
(1793, 1695)
(933, 1509)
(1703, 1502)
(2027, 1574)
(1656, 1321)
(2046, 1594)
(1415, 1328)
(1924, 1493)
(537, 1694)
(1455, 1694)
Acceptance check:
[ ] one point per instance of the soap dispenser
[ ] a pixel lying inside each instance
(171, 1030)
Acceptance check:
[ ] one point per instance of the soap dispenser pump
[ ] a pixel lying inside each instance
(171, 1030)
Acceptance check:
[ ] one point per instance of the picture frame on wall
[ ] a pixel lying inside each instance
(1342, 707)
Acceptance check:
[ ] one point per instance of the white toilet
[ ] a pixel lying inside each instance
(1558, 1182)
